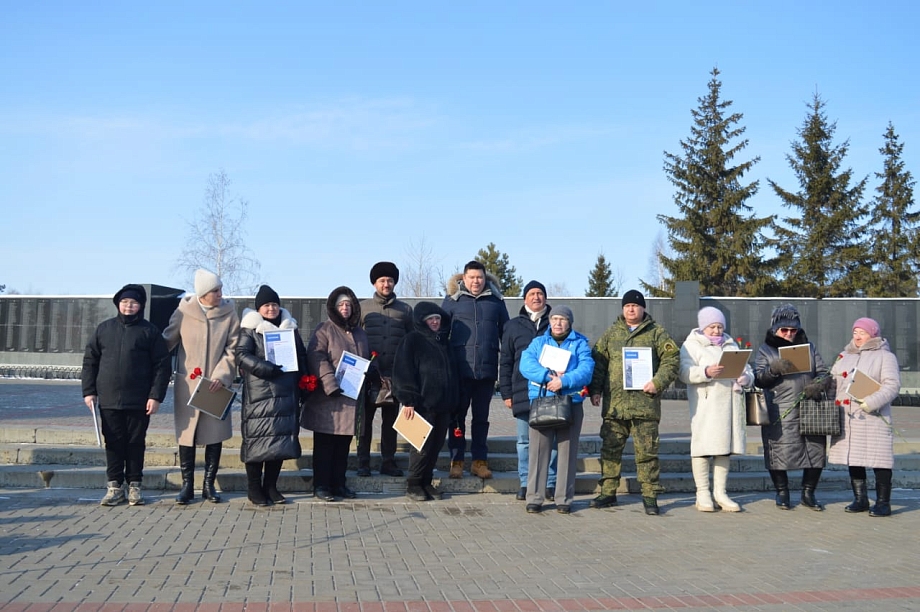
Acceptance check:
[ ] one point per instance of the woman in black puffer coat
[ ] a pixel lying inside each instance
(271, 399)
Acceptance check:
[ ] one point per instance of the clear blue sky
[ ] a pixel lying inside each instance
(354, 128)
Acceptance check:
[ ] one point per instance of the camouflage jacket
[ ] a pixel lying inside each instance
(608, 369)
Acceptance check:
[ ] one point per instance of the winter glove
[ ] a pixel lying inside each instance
(815, 390)
(781, 366)
(276, 372)
(335, 393)
(862, 404)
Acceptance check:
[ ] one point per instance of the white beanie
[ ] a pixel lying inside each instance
(708, 316)
(206, 282)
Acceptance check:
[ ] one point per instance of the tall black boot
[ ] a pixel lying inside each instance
(860, 496)
(270, 483)
(810, 478)
(781, 484)
(187, 468)
(254, 484)
(211, 461)
(882, 505)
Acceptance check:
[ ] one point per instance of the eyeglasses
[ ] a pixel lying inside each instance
(787, 330)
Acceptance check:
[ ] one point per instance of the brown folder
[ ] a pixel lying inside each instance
(216, 405)
(863, 385)
(733, 360)
(799, 355)
(415, 430)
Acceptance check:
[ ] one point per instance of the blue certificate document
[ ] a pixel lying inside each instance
(350, 374)
(280, 348)
(638, 368)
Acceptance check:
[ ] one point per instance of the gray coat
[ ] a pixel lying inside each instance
(867, 439)
(784, 448)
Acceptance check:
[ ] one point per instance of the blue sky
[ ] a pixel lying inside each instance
(356, 129)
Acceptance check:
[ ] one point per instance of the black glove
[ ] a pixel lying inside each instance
(781, 366)
(815, 390)
(276, 372)
(335, 393)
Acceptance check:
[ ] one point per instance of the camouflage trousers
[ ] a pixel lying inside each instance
(614, 433)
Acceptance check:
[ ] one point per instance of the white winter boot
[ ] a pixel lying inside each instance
(700, 466)
(719, 480)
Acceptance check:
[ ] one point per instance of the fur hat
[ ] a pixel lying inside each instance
(533, 285)
(266, 295)
(384, 268)
(563, 311)
(785, 315)
(134, 292)
(633, 297)
(870, 326)
(206, 282)
(708, 316)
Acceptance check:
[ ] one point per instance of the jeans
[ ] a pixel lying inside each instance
(523, 453)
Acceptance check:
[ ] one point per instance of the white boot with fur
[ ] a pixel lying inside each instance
(719, 482)
(700, 466)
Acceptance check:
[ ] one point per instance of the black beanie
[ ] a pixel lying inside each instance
(533, 285)
(384, 268)
(135, 292)
(633, 297)
(266, 295)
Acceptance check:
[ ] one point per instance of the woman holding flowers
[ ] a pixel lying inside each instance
(866, 439)
(717, 412)
(270, 417)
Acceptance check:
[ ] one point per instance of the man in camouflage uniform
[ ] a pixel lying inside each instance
(636, 412)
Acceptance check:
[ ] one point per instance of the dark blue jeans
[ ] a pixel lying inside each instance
(478, 394)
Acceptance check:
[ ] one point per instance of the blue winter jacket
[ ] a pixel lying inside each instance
(577, 374)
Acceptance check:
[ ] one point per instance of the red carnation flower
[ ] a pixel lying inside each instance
(307, 382)
(747, 345)
(738, 339)
(846, 402)
(457, 432)
(583, 392)
(197, 371)
(844, 374)
(837, 402)
(373, 355)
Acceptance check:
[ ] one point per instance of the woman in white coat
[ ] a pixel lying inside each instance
(717, 417)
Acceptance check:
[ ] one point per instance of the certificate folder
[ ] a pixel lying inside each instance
(799, 355)
(216, 405)
(862, 386)
(733, 362)
(415, 430)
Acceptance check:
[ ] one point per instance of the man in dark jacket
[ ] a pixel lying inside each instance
(519, 333)
(478, 311)
(126, 371)
(386, 321)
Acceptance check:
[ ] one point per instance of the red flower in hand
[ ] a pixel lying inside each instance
(847, 402)
(457, 432)
(583, 392)
(844, 374)
(373, 355)
(195, 373)
(837, 402)
(747, 345)
(307, 382)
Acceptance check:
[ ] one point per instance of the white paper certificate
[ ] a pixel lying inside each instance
(637, 367)
(280, 348)
(350, 374)
(554, 358)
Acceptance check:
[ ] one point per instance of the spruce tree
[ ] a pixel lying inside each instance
(600, 280)
(716, 240)
(820, 250)
(499, 265)
(894, 222)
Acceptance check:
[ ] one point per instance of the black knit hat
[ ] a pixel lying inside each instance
(533, 285)
(384, 268)
(633, 297)
(134, 292)
(266, 295)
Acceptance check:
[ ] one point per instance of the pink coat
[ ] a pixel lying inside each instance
(867, 438)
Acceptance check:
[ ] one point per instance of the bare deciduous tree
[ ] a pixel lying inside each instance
(422, 277)
(657, 283)
(216, 239)
(557, 290)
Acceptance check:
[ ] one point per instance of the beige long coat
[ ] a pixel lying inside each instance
(324, 413)
(206, 340)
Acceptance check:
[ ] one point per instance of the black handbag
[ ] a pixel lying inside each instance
(550, 411)
(819, 417)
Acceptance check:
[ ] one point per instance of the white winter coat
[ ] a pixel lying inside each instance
(717, 412)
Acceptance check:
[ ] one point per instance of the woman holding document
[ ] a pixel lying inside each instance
(785, 385)
(328, 411)
(271, 396)
(717, 412)
(426, 383)
(570, 378)
(866, 439)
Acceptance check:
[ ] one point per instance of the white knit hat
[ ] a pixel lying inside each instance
(206, 282)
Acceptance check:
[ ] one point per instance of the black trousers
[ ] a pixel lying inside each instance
(125, 433)
(387, 434)
(330, 460)
(422, 463)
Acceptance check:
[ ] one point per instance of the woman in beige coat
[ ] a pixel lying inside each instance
(206, 329)
(328, 413)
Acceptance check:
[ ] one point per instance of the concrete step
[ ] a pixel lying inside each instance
(301, 481)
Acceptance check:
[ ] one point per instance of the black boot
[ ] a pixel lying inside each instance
(211, 461)
(187, 468)
(810, 478)
(270, 483)
(860, 496)
(781, 484)
(882, 505)
(254, 484)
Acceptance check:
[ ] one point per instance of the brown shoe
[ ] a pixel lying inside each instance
(456, 469)
(481, 468)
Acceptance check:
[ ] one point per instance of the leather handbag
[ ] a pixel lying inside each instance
(819, 417)
(550, 411)
(756, 404)
(385, 398)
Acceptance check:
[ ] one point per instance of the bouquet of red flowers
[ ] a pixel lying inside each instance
(307, 382)
(195, 374)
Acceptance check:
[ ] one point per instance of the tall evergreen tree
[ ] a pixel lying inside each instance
(498, 264)
(600, 280)
(820, 250)
(895, 223)
(716, 240)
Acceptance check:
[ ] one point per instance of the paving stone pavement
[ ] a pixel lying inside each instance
(59, 550)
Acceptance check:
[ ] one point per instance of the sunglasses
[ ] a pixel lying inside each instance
(787, 330)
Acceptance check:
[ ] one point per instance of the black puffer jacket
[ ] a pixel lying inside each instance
(425, 372)
(519, 333)
(477, 326)
(126, 362)
(271, 401)
(386, 321)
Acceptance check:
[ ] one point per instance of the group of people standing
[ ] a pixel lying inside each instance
(440, 362)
